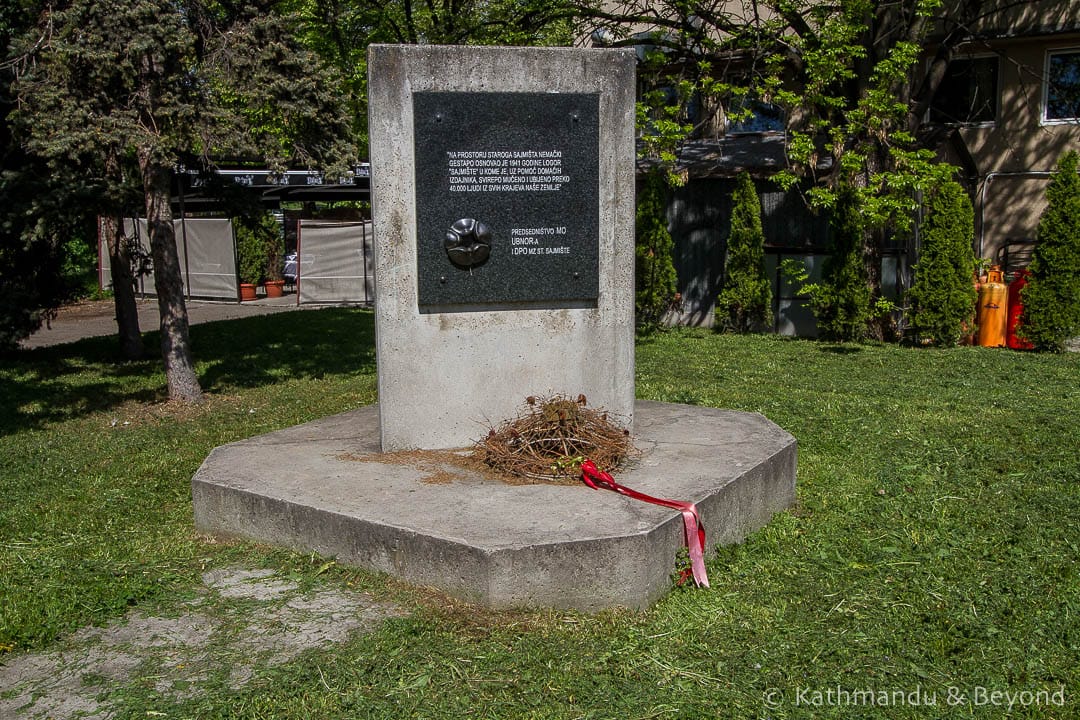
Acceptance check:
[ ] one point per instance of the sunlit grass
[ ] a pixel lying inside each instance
(933, 547)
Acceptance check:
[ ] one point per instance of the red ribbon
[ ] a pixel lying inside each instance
(693, 531)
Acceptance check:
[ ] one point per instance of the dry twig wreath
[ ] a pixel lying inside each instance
(550, 438)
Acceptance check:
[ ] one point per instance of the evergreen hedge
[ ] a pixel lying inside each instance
(251, 250)
(746, 300)
(1051, 297)
(942, 298)
(841, 301)
(844, 309)
(655, 268)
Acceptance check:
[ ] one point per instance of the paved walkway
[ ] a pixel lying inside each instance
(98, 317)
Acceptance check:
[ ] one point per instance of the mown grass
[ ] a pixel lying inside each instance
(933, 549)
(96, 467)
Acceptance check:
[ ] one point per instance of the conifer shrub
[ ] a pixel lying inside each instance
(250, 250)
(1051, 297)
(942, 298)
(745, 302)
(841, 301)
(274, 238)
(655, 268)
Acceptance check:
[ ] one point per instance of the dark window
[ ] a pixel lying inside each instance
(753, 116)
(1063, 86)
(968, 92)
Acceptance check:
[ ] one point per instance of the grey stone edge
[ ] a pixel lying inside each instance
(616, 553)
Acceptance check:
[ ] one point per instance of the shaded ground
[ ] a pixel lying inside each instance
(244, 622)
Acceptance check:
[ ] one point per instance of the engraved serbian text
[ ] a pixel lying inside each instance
(538, 241)
(473, 171)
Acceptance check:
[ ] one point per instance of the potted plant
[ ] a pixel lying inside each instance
(250, 257)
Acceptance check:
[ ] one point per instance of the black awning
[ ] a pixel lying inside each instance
(203, 189)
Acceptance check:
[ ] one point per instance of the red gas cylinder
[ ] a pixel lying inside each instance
(993, 298)
(1016, 309)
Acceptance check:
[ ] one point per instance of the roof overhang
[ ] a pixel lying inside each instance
(204, 188)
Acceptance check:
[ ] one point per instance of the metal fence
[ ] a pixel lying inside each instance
(334, 262)
(207, 254)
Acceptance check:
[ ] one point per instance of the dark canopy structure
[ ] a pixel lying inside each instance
(201, 191)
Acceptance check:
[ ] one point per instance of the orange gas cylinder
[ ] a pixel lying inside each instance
(1016, 309)
(993, 300)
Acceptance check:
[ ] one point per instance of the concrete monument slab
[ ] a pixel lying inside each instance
(325, 487)
(503, 203)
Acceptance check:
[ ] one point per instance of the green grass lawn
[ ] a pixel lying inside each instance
(933, 549)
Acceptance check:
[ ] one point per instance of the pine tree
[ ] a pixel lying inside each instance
(197, 79)
(746, 300)
(942, 298)
(655, 268)
(1051, 297)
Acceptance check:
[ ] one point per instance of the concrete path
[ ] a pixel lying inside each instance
(94, 318)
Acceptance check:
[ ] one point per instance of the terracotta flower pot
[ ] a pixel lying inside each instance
(247, 291)
(275, 288)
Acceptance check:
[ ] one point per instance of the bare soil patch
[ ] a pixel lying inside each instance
(178, 657)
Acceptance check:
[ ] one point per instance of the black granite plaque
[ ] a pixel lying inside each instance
(507, 199)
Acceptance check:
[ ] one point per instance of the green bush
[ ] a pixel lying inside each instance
(655, 268)
(746, 300)
(1051, 297)
(841, 301)
(256, 242)
(275, 247)
(942, 297)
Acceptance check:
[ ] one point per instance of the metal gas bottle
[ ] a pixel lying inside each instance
(1016, 309)
(993, 305)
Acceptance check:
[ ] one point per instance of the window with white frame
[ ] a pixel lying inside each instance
(1061, 93)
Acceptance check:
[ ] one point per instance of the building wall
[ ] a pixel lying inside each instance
(1014, 155)
(1014, 19)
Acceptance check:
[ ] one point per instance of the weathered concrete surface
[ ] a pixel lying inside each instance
(322, 487)
(479, 364)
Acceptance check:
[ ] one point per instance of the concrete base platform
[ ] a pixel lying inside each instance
(321, 487)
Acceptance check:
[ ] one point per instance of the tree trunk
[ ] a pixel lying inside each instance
(175, 344)
(123, 281)
(713, 123)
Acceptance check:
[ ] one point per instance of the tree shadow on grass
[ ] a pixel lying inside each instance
(840, 348)
(266, 349)
(63, 382)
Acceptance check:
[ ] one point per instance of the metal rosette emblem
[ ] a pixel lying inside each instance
(468, 243)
